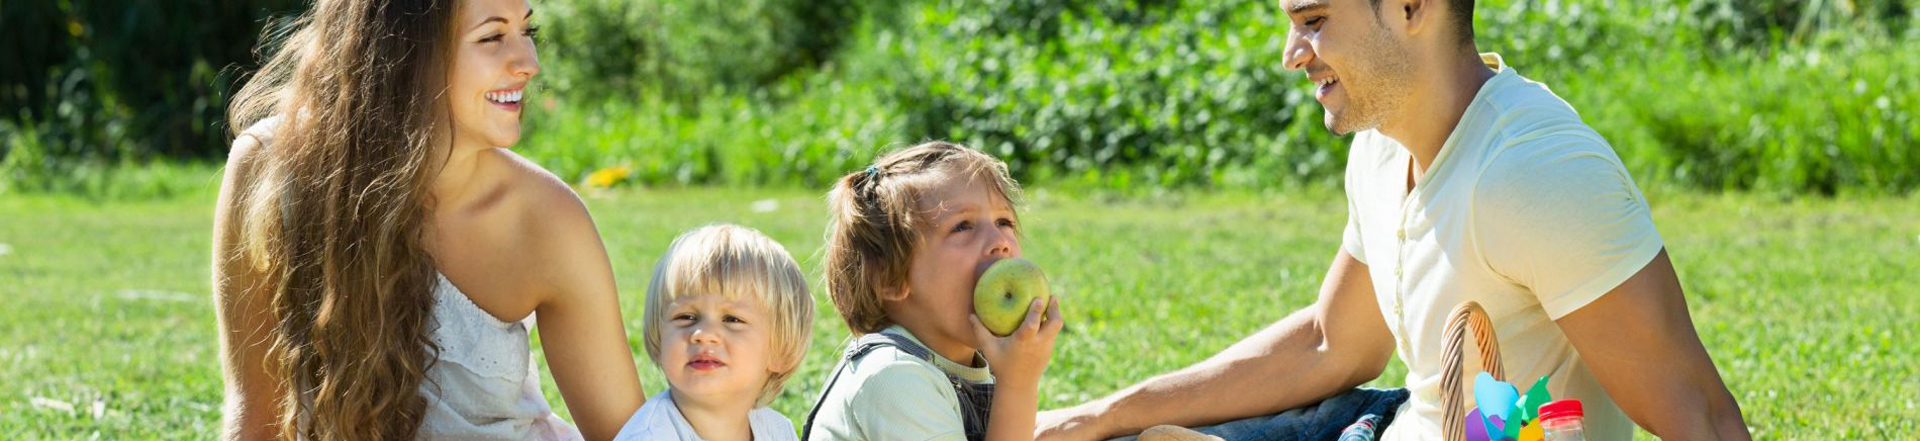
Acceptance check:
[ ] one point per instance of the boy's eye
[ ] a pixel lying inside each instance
(963, 226)
(1315, 22)
(734, 319)
(683, 317)
(1004, 223)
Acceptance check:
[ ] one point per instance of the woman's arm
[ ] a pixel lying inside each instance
(581, 331)
(243, 307)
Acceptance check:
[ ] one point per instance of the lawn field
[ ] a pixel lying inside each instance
(1804, 304)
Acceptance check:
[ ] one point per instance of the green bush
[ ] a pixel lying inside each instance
(1808, 122)
(686, 49)
(1199, 97)
(1794, 97)
(1811, 96)
(92, 86)
(821, 129)
(123, 79)
(1042, 20)
(1729, 23)
(1820, 104)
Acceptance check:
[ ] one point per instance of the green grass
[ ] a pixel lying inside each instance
(1803, 303)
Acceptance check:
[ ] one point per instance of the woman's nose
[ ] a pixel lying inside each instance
(526, 64)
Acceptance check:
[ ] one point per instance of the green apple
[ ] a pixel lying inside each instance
(1002, 295)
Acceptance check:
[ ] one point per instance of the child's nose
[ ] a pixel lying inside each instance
(702, 333)
(1003, 244)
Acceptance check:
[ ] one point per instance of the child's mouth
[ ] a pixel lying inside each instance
(981, 268)
(705, 363)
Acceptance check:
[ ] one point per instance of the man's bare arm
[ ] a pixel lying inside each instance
(1339, 342)
(1640, 343)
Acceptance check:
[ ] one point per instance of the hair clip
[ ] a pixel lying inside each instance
(872, 170)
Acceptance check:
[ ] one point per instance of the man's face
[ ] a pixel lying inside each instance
(1360, 69)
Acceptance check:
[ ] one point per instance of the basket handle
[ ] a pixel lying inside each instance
(1468, 316)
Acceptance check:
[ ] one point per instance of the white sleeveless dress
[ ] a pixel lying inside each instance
(483, 385)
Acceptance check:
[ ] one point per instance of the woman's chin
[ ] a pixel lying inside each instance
(500, 130)
(504, 140)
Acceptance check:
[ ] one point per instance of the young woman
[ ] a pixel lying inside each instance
(379, 254)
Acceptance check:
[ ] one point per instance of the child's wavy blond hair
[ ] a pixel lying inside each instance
(738, 263)
(875, 216)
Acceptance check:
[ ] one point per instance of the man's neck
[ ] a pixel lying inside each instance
(726, 421)
(1431, 114)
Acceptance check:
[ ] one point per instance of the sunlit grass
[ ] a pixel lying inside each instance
(1803, 303)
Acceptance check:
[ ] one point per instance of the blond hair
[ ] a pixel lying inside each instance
(875, 216)
(737, 263)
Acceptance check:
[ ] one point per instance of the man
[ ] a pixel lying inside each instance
(1466, 181)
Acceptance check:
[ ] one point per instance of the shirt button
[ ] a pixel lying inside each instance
(1402, 234)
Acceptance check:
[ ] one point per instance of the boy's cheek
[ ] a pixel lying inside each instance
(671, 350)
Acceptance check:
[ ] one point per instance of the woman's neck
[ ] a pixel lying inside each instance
(455, 166)
(715, 421)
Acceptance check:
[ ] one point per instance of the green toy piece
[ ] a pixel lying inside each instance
(1529, 410)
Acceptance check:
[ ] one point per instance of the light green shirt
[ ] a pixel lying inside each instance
(889, 394)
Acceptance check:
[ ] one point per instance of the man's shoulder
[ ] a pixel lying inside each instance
(1511, 90)
(1528, 127)
(1521, 109)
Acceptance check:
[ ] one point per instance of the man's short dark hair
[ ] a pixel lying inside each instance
(1462, 14)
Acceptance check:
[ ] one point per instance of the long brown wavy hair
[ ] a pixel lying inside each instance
(335, 221)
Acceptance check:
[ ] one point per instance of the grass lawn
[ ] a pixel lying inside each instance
(1804, 304)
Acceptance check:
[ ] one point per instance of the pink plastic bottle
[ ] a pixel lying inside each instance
(1561, 421)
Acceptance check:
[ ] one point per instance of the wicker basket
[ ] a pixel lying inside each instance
(1469, 316)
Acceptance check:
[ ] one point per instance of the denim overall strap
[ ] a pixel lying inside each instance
(976, 400)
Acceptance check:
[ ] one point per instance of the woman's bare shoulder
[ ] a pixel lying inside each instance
(238, 175)
(246, 155)
(543, 227)
(535, 198)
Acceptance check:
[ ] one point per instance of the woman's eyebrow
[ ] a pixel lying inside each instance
(499, 19)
